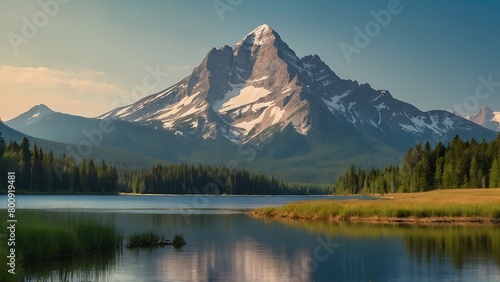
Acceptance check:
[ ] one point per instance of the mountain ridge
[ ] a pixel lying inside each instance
(120, 158)
(262, 85)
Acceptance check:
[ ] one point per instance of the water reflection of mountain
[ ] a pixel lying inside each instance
(220, 248)
(242, 262)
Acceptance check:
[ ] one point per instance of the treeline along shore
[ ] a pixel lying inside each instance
(459, 164)
(38, 171)
(41, 172)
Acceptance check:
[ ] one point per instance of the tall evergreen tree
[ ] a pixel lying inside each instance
(495, 174)
(93, 184)
(83, 177)
(2, 145)
(25, 165)
(36, 170)
(2, 169)
(474, 174)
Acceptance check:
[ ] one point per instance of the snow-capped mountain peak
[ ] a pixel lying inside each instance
(35, 113)
(259, 36)
(487, 118)
(262, 86)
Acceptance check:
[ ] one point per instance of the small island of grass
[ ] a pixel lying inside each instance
(439, 206)
(150, 239)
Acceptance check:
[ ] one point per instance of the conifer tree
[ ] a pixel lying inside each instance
(495, 174)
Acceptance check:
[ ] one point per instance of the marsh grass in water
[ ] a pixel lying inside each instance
(178, 241)
(150, 239)
(144, 240)
(47, 236)
(40, 237)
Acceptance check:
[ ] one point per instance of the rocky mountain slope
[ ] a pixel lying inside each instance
(261, 86)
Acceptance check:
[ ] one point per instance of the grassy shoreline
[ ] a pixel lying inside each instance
(480, 206)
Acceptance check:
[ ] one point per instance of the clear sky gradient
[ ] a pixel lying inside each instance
(86, 57)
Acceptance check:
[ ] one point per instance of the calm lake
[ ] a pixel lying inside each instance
(224, 244)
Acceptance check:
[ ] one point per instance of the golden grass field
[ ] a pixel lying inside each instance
(439, 206)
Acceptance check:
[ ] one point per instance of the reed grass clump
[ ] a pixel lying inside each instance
(178, 241)
(144, 240)
(39, 238)
(496, 214)
(150, 239)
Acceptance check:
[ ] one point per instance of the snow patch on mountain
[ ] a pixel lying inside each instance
(258, 36)
(496, 117)
(249, 125)
(381, 106)
(334, 102)
(409, 128)
(277, 113)
(124, 112)
(240, 97)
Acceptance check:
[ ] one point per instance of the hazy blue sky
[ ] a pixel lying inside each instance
(86, 57)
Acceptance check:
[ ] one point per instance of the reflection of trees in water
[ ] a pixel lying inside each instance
(92, 267)
(422, 242)
(458, 243)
